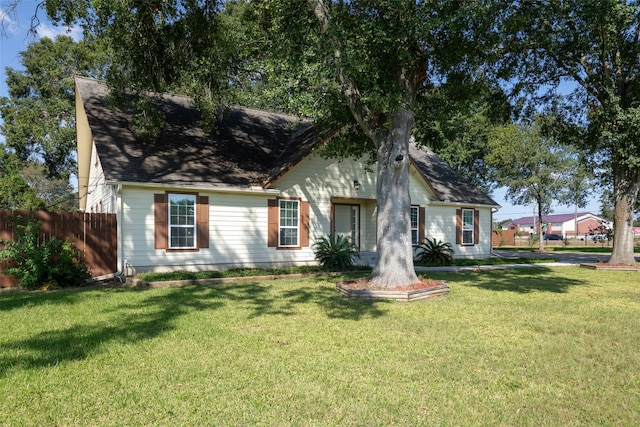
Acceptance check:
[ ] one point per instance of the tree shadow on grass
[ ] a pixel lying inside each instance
(535, 279)
(263, 299)
(17, 298)
(156, 314)
(129, 323)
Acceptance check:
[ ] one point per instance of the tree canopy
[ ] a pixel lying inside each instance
(38, 121)
(39, 114)
(15, 192)
(531, 164)
(596, 46)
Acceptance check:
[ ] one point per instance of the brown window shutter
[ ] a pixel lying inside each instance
(458, 226)
(304, 224)
(476, 226)
(161, 221)
(203, 221)
(421, 224)
(272, 215)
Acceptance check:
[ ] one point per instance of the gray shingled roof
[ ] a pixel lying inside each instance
(245, 147)
(445, 181)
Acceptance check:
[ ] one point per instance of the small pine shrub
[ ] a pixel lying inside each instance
(434, 252)
(335, 253)
(51, 263)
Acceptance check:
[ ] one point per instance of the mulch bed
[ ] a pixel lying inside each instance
(424, 288)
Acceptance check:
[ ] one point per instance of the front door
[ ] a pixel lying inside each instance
(346, 222)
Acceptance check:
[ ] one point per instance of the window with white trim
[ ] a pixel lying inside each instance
(467, 226)
(415, 220)
(289, 226)
(182, 221)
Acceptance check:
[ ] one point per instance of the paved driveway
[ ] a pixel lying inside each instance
(569, 258)
(563, 259)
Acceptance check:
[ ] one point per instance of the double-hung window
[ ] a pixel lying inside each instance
(289, 226)
(415, 220)
(182, 221)
(467, 226)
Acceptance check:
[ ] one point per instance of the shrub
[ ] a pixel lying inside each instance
(36, 264)
(434, 252)
(335, 253)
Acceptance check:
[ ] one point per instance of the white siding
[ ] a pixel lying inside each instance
(237, 235)
(441, 225)
(318, 181)
(101, 198)
(238, 222)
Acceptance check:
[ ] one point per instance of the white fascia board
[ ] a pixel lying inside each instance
(185, 187)
(462, 205)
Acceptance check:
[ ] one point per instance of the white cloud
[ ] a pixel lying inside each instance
(8, 25)
(46, 30)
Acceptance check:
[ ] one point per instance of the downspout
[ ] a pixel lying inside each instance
(119, 216)
(493, 210)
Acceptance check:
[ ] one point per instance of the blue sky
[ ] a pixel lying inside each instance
(17, 38)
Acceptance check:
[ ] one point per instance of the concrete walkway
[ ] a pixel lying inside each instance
(468, 268)
(566, 257)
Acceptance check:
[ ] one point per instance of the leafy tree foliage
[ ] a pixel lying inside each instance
(579, 184)
(455, 120)
(57, 194)
(532, 165)
(15, 192)
(595, 45)
(39, 114)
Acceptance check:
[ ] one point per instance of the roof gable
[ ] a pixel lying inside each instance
(241, 149)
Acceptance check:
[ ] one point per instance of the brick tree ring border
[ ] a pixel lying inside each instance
(605, 266)
(435, 290)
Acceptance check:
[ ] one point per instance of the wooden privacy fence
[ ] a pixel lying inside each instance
(94, 235)
(503, 238)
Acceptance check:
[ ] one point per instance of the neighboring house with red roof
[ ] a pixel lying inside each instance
(251, 191)
(563, 224)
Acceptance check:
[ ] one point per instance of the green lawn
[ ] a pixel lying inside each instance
(532, 347)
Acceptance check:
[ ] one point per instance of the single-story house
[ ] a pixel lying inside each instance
(567, 225)
(251, 191)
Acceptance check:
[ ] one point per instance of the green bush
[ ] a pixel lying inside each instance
(41, 264)
(434, 252)
(335, 253)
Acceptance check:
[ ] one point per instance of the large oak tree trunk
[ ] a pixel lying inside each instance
(394, 263)
(626, 193)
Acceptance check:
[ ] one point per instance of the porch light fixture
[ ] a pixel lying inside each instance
(356, 185)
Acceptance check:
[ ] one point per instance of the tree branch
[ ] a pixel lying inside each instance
(350, 90)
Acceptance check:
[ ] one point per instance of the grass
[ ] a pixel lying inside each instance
(235, 272)
(539, 346)
(256, 272)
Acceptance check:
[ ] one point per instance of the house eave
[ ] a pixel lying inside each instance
(462, 204)
(257, 190)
